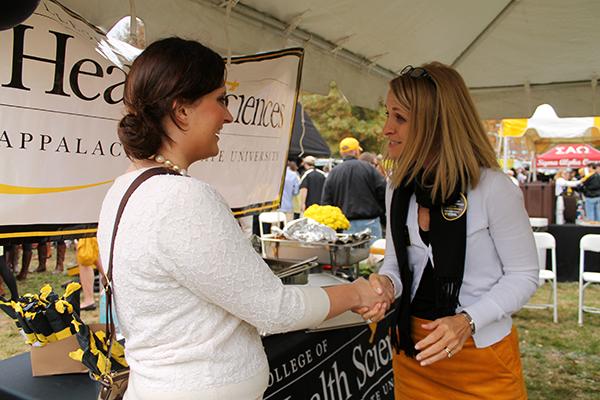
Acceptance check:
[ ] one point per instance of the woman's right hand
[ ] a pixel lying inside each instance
(355, 296)
(382, 285)
(367, 296)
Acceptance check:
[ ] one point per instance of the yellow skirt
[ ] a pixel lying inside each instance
(493, 372)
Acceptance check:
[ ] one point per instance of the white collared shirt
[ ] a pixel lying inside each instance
(501, 267)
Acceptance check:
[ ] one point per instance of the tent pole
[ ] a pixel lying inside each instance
(505, 157)
(533, 175)
(594, 86)
(301, 141)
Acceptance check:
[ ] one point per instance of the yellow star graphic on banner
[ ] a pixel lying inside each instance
(232, 86)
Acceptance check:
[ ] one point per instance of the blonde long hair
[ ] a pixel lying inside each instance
(447, 139)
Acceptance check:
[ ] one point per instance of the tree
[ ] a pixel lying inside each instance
(336, 118)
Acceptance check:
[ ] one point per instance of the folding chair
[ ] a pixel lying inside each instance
(273, 217)
(544, 242)
(538, 223)
(587, 243)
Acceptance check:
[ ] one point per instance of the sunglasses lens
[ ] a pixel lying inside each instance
(413, 72)
(406, 70)
(418, 72)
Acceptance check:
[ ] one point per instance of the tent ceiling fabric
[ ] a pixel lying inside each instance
(513, 54)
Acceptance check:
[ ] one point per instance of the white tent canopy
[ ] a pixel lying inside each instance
(545, 129)
(549, 125)
(513, 54)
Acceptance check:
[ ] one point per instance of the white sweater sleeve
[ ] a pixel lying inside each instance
(390, 262)
(513, 239)
(208, 254)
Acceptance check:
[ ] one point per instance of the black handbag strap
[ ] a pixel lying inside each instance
(110, 326)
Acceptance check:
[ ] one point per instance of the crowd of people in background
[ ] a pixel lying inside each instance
(577, 194)
(577, 191)
(356, 186)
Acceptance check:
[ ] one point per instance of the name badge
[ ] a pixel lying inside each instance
(454, 211)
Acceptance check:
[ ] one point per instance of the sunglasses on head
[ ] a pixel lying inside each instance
(415, 72)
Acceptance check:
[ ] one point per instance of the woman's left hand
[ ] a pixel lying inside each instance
(447, 338)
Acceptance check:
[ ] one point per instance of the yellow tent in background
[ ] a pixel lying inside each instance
(545, 129)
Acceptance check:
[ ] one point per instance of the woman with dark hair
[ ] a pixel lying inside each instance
(191, 293)
(460, 252)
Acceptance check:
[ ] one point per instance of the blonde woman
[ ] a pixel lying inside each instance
(562, 181)
(460, 252)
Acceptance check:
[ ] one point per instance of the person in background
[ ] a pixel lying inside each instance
(311, 183)
(42, 252)
(511, 175)
(589, 169)
(190, 293)
(291, 187)
(368, 157)
(87, 258)
(590, 185)
(460, 251)
(357, 188)
(563, 180)
(7, 275)
(521, 175)
(43, 256)
(61, 249)
(372, 159)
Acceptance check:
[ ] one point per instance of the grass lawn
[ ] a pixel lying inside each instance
(561, 361)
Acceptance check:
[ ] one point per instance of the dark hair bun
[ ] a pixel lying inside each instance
(141, 138)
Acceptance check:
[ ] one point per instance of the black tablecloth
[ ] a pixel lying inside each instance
(567, 251)
(16, 382)
(351, 362)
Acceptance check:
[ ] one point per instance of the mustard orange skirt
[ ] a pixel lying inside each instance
(493, 372)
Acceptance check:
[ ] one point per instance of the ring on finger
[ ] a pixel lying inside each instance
(368, 320)
(448, 351)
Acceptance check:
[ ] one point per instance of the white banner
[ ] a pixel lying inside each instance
(61, 88)
(262, 93)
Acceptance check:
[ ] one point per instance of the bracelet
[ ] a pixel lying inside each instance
(391, 283)
(469, 320)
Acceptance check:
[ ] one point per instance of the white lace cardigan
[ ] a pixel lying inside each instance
(191, 293)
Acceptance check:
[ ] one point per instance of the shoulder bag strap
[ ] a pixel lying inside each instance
(110, 326)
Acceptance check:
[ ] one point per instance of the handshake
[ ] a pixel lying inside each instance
(374, 297)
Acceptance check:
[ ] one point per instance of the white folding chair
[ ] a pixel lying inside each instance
(538, 223)
(544, 242)
(587, 243)
(273, 217)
